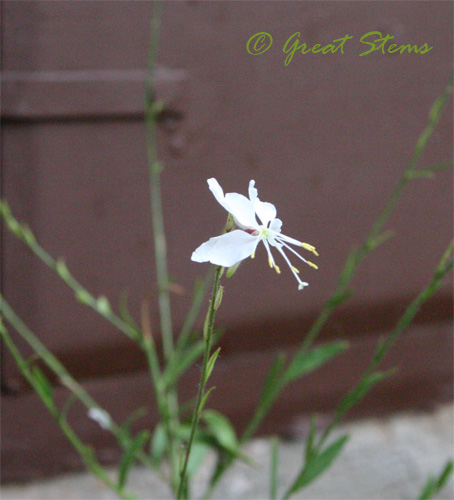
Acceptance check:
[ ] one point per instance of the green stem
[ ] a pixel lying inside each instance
(62, 374)
(208, 334)
(151, 109)
(444, 266)
(84, 451)
(357, 256)
(155, 186)
(353, 261)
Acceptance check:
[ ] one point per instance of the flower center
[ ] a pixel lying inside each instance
(264, 232)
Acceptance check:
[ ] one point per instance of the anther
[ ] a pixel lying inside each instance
(311, 264)
(310, 248)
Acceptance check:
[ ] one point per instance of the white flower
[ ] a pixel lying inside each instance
(232, 247)
(101, 417)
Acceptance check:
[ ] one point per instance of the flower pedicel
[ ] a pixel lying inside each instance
(232, 247)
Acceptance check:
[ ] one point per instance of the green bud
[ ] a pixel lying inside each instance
(231, 270)
(218, 299)
(103, 305)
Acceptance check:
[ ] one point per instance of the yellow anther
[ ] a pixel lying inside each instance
(295, 269)
(311, 264)
(270, 262)
(253, 255)
(310, 248)
(277, 269)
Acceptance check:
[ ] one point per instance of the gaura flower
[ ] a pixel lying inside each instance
(232, 247)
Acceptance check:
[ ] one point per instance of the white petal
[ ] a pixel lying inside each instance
(276, 225)
(227, 249)
(265, 211)
(217, 191)
(242, 210)
(252, 191)
(236, 204)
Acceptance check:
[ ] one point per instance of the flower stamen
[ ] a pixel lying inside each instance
(310, 248)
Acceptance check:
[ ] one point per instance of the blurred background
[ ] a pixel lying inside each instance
(326, 139)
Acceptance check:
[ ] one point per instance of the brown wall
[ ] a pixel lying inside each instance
(326, 139)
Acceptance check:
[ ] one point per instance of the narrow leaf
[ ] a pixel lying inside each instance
(43, 386)
(128, 458)
(181, 363)
(435, 485)
(317, 465)
(272, 381)
(360, 390)
(307, 362)
(211, 361)
(124, 312)
(311, 437)
(205, 399)
(274, 468)
(158, 444)
(125, 430)
(220, 427)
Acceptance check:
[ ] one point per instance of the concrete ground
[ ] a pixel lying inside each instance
(389, 458)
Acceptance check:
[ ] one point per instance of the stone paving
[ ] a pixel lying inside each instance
(385, 459)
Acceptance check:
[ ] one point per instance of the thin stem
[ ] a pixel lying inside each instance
(357, 256)
(444, 266)
(201, 393)
(155, 168)
(171, 422)
(100, 305)
(84, 451)
(62, 374)
(353, 261)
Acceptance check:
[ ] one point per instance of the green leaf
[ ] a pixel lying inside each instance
(316, 465)
(272, 381)
(274, 468)
(220, 427)
(42, 385)
(360, 390)
(181, 363)
(211, 361)
(125, 430)
(158, 444)
(198, 452)
(205, 399)
(231, 270)
(124, 312)
(338, 298)
(307, 362)
(311, 437)
(128, 458)
(435, 485)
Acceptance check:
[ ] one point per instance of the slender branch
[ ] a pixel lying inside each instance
(443, 267)
(84, 451)
(171, 418)
(64, 377)
(100, 305)
(354, 259)
(154, 167)
(208, 333)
